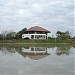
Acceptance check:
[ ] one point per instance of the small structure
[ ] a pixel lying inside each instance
(35, 32)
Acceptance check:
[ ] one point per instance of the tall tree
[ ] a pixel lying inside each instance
(19, 34)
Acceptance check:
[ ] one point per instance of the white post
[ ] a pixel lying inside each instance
(45, 36)
(55, 39)
(34, 36)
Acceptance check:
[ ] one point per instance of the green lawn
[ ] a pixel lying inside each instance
(36, 41)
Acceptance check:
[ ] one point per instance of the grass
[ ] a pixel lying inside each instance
(36, 41)
(35, 45)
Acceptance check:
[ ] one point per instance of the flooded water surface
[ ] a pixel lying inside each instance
(25, 60)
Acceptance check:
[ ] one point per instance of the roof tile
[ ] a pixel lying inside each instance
(37, 28)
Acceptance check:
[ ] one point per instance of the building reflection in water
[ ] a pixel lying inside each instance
(35, 53)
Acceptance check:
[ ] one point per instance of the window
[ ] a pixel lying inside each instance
(32, 36)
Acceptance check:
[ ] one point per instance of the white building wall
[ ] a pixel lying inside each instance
(37, 35)
(26, 36)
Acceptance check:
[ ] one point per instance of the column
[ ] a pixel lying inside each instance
(34, 36)
(45, 36)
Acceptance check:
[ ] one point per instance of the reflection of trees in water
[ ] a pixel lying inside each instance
(63, 50)
(35, 53)
(7, 50)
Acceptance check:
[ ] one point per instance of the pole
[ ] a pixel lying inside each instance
(55, 40)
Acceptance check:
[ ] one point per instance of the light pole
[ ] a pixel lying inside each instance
(55, 39)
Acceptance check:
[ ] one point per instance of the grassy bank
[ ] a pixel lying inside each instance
(36, 41)
(52, 45)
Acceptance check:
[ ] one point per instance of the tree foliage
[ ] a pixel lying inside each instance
(19, 34)
(63, 35)
(11, 35)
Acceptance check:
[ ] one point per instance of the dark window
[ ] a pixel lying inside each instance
(32, 36)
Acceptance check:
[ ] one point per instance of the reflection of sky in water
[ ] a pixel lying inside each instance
(14, 62)
(52, 50)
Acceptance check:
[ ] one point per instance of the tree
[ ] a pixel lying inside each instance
(58, 34)
(7, 35)
(63, 35)
(4, 34)
(19, 34)
(11, 35)
(0, 36)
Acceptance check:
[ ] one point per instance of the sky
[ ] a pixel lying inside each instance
(54, 15)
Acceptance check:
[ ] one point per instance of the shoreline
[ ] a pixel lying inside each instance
(36, 43)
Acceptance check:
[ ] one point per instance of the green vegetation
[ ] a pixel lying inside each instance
(52, 45)
(63, 35)
(37, 41)
(13, 37)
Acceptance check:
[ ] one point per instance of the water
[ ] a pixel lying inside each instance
(55, 60)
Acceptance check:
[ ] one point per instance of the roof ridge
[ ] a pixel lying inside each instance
(37, 28)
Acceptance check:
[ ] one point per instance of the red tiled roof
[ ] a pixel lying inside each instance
(37, 28)
(37, 57)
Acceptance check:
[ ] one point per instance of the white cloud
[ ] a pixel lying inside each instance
(51, 14)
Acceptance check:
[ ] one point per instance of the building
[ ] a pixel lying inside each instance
(35, 32)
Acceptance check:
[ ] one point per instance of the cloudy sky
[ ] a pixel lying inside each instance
(53, 15)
